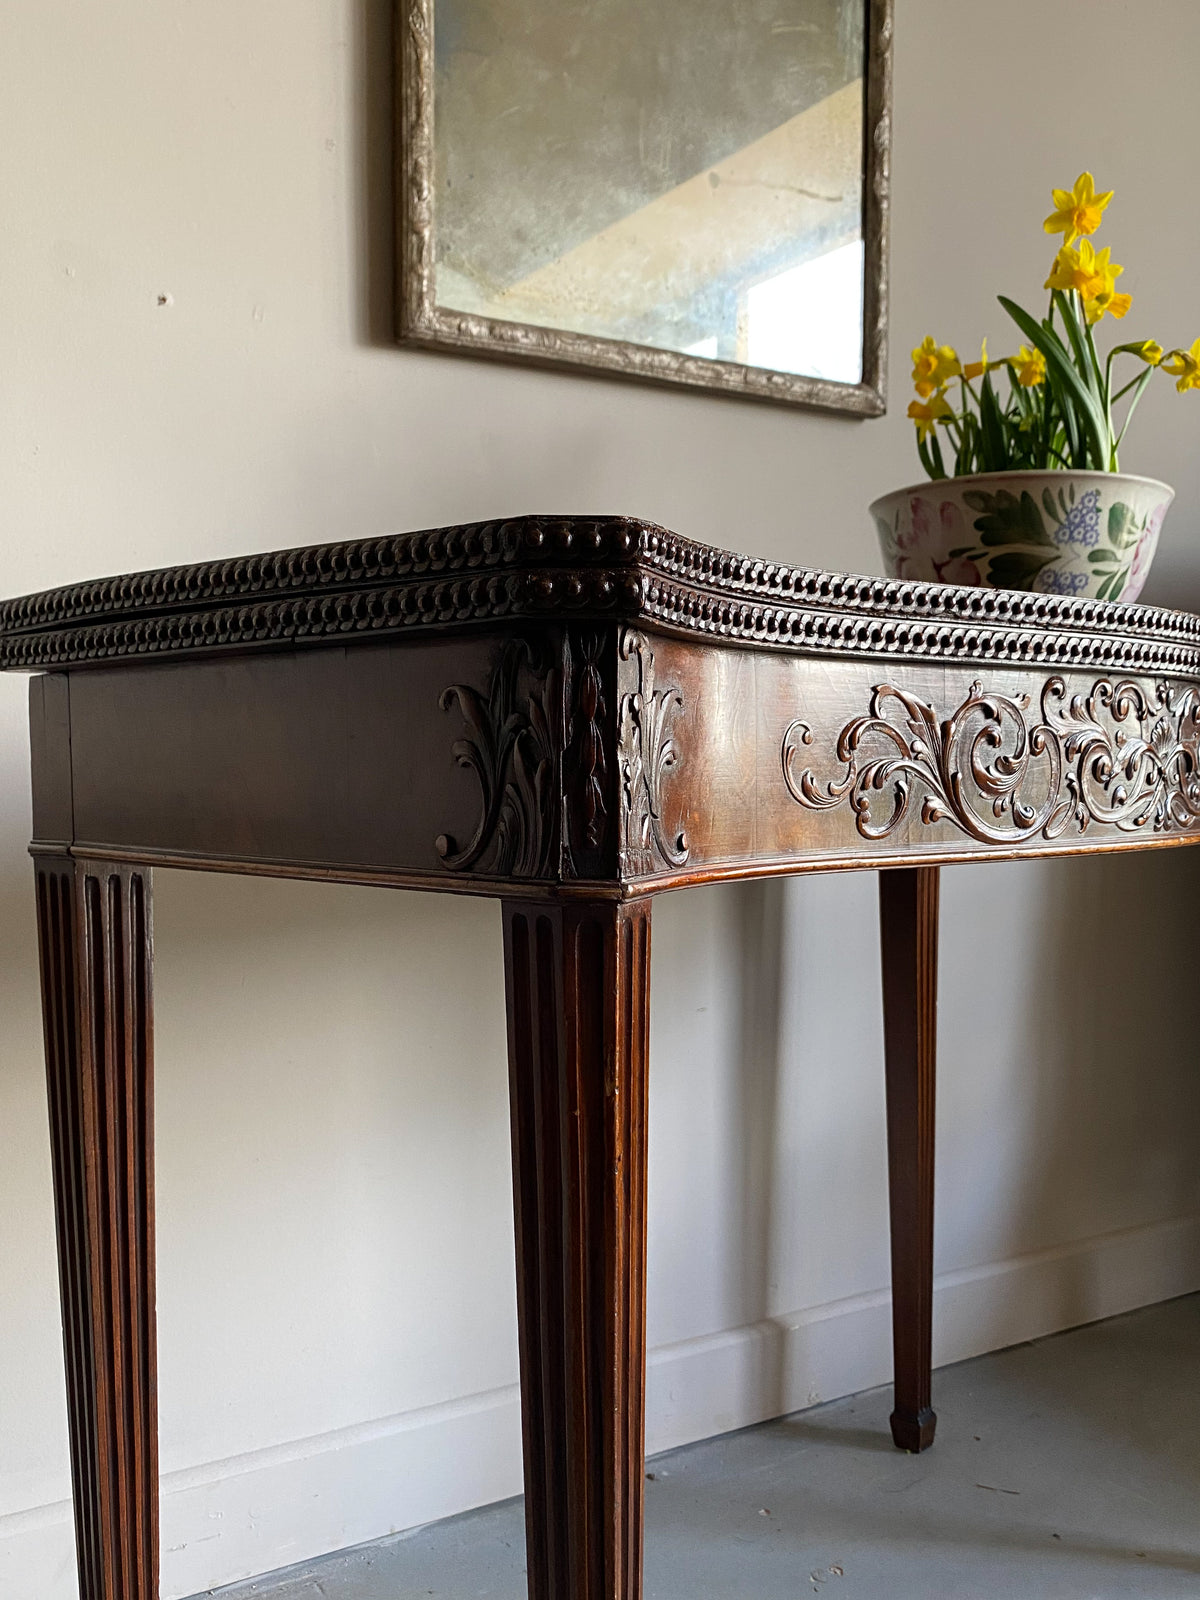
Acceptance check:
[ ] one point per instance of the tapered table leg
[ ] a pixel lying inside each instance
(95, 941)
(578, 1013)
(908, 907)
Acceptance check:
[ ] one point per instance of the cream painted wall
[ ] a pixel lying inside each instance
(335, 1297)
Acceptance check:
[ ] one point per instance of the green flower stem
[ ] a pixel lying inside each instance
(1142, 378)
(1091, 344)
(1140, 385)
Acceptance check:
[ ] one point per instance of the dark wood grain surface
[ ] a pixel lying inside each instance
(578, 984)
(96, 942)
(908, 913)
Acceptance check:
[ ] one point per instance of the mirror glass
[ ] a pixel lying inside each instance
(683, 174)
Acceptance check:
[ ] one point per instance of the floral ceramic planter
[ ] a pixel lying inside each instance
(1081, 533)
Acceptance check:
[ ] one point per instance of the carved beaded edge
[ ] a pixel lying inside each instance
(573, 568)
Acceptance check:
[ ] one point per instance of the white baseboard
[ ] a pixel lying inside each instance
(729, 1380)
(229, 1519)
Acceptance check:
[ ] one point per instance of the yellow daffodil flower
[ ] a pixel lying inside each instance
(976, 369)
(1185, 366)
(927, 415)
(933, 366)
(1068, 271)
(1077, 210)
(1029, 367)
(1103, 296)
(1150, 351)
(1093, 277)
(1115, 304)
(1080, 270)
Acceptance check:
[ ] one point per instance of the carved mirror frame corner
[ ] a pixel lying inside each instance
(421, 323)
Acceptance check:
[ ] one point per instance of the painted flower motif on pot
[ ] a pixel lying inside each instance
(912, 537)
(1143, 555)
(1082, 523)
(961, 570)
(953, 531)
(1059, 580)
(954, 528)
(921, 529)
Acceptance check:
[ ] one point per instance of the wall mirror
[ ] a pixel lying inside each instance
(690, 192)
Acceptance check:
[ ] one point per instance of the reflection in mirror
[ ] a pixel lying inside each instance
(684, 175)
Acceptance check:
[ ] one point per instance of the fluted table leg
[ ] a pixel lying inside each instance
(95, 939)
(578, 1015)
(908, 905)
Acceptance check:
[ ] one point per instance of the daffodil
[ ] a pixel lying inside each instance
(976, 369)
(1067, 272)
(928, 414)
(1077, 210)
(1029, 367)
(1103, 296)
(1115, 304)
(1093, 276)
(1078, 270)
(933, 366)
(1150, 351)
(1184, 365)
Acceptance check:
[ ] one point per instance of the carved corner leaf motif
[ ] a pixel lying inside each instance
(512, 745)
(1119, 755)
(648, 752)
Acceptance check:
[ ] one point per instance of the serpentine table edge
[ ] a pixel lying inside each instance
(569, 714)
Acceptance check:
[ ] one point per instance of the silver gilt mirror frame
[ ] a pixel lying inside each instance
(423, 323)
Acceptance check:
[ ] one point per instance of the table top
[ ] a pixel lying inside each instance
(593, 705)
(564, 569)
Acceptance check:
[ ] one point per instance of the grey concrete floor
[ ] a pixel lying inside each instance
(1065, 1469)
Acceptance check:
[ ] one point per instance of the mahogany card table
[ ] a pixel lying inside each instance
(571, 715)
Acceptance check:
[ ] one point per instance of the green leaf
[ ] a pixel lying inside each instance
(1122, 527)
(1016, 569)
(1086, 363)
(927, 460)
(1006, 519)
(1051, 508)
(992, 427)
(1069, 381)
(1068, 435)
(1106, 557)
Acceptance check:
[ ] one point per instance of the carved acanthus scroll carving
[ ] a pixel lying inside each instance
(648, 752)
(512, 745)
(1120, 755)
